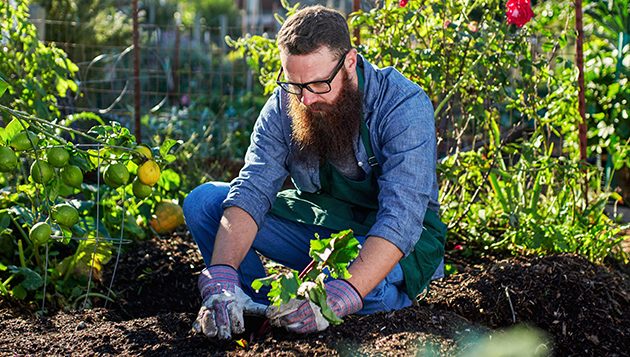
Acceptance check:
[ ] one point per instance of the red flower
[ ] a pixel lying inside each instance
(519, 12)
(403, 3)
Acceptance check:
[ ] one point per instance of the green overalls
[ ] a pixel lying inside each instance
(343, 203)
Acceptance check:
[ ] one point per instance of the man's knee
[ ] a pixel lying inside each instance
(205, 200)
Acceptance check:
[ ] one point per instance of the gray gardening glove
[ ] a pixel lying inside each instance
(224, 303)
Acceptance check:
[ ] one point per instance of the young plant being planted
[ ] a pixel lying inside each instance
(331, 256)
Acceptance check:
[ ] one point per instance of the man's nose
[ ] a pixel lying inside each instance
(308, 98)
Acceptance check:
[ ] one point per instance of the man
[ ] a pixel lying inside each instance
(359, 144)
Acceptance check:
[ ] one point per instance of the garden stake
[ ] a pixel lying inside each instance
(122, 226)
(507, 293)
(45, 279)
(98, 199)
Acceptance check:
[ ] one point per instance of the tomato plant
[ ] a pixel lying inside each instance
(88, 220)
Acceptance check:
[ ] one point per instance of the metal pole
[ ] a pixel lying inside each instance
(136, 72)
(579, 60)
(356, 6)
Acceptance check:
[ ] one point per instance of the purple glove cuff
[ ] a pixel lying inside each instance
(343, 297)
(217, 278)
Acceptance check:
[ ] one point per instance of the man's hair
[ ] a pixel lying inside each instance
(310, 28)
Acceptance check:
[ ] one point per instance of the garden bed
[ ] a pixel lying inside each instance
(580, 308)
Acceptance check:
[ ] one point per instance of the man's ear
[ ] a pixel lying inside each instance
(351, 60)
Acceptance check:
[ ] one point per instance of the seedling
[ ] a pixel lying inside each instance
(331, 256)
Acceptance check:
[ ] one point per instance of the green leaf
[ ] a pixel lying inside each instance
(169, 179)
(5, 221)
(14, 127)
(33, 281)
(19, 292)
(3, 86)
(318, 296)
(259, 283)
(167, 145)
(289, 284)
(562, 40)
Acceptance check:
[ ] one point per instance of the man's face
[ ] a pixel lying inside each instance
(317, 66)
(325, 125)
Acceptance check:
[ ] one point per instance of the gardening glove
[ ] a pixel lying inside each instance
(224, 303)
(303, 316)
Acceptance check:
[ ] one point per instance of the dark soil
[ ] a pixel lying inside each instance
(564, 304)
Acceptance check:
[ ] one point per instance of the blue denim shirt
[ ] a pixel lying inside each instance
(400, 118)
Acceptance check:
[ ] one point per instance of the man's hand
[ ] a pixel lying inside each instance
(303, 316)
(224, 303)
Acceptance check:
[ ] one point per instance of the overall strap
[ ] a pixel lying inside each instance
(365, 134)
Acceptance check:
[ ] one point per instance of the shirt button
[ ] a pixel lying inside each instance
(360, 163)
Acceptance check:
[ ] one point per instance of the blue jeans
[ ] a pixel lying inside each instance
(280, 240)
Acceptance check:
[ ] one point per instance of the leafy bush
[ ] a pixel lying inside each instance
(606, 70)
(213, 143)
(37, 75)
(506, 117)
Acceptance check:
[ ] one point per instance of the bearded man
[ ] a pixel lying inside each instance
(359, 145)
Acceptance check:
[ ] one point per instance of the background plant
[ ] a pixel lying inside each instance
(506, 118)
(607, 55)
(37, 75)
(511, 176)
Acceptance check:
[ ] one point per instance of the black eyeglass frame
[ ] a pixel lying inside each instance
(284, 85)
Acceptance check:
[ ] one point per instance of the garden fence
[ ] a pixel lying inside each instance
(187, 71)
(179, 68)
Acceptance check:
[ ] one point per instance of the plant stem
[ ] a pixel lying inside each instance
(3, 289)
(306, 270)
(21, 252)
(39, 120)
(18, 227)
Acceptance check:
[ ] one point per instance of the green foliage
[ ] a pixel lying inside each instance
(606, 71)
(489, 83)
(612, 18)
(113, 216)
(210, 10)
(483, 75)
(535, 206)
(214, 137)
(100, 22)
(36, 75)
(334, 254)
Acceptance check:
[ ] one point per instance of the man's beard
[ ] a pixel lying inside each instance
(332, 131)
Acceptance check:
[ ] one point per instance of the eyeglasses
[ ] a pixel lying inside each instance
(317, 87)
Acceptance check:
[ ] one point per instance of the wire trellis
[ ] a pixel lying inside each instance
(179, 67)
(120, 241)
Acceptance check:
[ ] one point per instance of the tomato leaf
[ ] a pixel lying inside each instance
(3, 86)
(32, 281)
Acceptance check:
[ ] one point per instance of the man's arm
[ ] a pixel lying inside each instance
(376, 259)
(234, 237)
